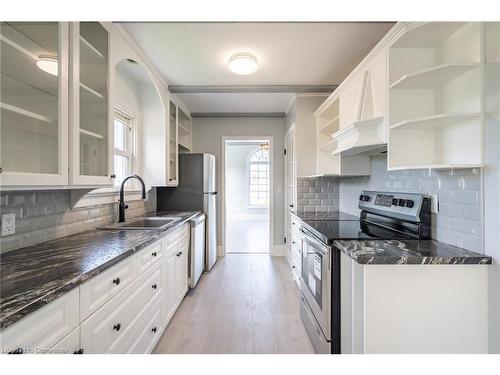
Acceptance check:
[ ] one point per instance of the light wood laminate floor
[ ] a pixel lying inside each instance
(246, 304)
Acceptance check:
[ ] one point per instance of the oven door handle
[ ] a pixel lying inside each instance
(318, 245)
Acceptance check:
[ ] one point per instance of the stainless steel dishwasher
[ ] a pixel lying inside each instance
(197, 250)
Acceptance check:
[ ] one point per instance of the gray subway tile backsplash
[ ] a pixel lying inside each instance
(47, 215)
(458, 222)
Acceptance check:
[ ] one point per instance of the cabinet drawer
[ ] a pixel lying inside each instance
(70, 344)
(149, 332)
(41, 330)
(100, 289)
(148, 256)
(109, 328)
(295, 223)
(174, 238)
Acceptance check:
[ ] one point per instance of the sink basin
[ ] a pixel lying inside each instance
(144, 223)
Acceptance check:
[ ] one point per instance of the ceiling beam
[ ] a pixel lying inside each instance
(234, 89)
(238, 114)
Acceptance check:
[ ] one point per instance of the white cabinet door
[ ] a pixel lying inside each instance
(168, 275)
(41, 330)
(34, 104)
(91, 108)
(181, 271)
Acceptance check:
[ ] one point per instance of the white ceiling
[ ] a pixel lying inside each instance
(288, 54)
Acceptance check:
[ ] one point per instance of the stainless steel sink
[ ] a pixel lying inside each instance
(145, 223)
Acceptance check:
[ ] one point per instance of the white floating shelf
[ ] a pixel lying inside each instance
(435, 121)
(92, 134)
(26, 113)
(432, 77)
(90, 90)
(91, 47)
(436, 166)
(182, 128)
(331, 126)
(183, 147)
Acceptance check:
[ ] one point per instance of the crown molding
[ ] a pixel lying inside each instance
(238, 89)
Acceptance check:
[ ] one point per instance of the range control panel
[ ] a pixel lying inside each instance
(405, 206)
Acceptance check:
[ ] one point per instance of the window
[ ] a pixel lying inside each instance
(124, 150)
(258, 178)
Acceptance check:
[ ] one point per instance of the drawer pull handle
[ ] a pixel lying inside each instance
(179, 253)
(17, 351)
(153, 254)
(117, 327)
(154, 286)
(116, 281)
(154, 330)
(79, 351)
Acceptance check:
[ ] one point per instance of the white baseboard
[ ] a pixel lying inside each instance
(278, 251)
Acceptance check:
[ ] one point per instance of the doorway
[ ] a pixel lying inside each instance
(247, 195)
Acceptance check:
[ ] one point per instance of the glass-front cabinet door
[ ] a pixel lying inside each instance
(33, 103)
(172, 149)
(90, 111)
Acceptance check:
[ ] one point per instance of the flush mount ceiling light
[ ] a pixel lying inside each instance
(243, 63)
(48, 63)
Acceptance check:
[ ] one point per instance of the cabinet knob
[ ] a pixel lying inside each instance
(154, 286)
(116, 281)
(293, 242)
(153, 254)
(17, 351)
(79, 351)
(179, 253)
(113, 175)
(117, 327)
(1, 170)
(154, 329)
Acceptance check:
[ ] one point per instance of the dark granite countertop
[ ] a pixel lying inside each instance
(408, 252)
(33, 276)
(323, 215)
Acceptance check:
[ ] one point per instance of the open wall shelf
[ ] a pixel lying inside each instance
(435, 97)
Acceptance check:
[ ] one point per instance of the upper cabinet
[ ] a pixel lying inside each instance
(90, 105)
(436, 110)
(173, 141)
(33, 103)
(56, 106)
(350, 124)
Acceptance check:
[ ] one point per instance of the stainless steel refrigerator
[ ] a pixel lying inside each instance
(197, 190)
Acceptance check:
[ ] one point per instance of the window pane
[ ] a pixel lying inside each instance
(121, 168)
(120, 134)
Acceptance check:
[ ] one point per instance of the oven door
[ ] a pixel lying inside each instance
(315, 282)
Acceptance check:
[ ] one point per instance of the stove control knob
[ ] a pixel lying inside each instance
(395, 201)
(364, 198)
(410, 203)
(402, 202)
(361, 197)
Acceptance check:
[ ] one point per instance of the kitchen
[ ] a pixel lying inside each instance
(368, 172)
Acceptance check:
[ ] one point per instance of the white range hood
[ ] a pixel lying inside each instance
(362, 137)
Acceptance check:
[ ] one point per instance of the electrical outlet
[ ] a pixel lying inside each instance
(434, 203)
(8, 224)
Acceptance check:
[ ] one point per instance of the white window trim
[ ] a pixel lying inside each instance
(108, 195)
(253, 206)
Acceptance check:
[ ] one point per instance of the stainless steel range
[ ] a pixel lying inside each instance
(383, 216)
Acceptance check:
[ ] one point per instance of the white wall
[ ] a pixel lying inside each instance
(207, 137)
(237, 181)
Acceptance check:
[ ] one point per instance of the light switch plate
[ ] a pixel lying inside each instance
(434, 203)
(8, 224)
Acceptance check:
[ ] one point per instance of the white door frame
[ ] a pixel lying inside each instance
(268, 138)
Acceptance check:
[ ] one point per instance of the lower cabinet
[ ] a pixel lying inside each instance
(106, 315)
(413, 309)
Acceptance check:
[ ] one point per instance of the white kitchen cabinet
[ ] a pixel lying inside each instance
(181, 271)
(40, 331)
(91, 106)
(350, 124)
(389, 309)
(100, 289)
(169, 276)
(110, 329)
(34, 104)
